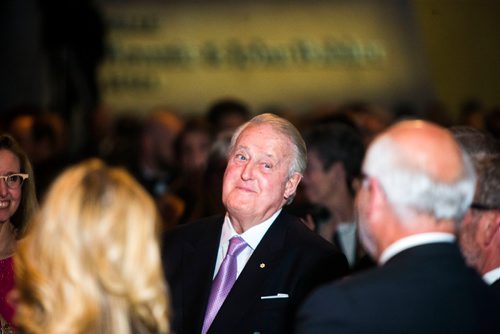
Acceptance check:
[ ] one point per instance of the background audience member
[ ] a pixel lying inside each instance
(227, 114)
(492, 121)
(193, 146)
(122, 146)
(210, 202)
(480, 230)
(17, 204)
(418, 186)
(331, 180)
(91, 262)
(156, 167)
(20, 127)
(435, 111)
(192, 151)
(51, 149)
(471, 114)
(43, 137)
(369, 119)
(280, 259)
(477, 143)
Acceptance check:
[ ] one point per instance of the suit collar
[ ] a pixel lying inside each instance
(426, 252)
(200, 255)
(412, 241)
(252, 236)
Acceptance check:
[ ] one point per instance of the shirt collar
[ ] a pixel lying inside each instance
(252, 236)
(346, 228)
(412, 241)
(492, 276)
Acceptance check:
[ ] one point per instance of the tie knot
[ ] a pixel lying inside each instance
(236, 246)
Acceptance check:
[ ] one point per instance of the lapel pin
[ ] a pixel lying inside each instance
(262, 265)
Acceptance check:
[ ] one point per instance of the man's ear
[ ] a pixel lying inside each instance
(291, 184)
(377, 200)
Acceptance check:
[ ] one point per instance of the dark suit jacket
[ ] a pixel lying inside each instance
(495, 286)
(424, 289)
(290, 259)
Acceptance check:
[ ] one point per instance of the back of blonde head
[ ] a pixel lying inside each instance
(91, 263)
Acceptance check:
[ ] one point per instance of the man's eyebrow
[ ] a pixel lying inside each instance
(240, 147)
(266, 154)
(270, 155)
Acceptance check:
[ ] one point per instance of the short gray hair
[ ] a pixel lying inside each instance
(477, 143)
(283, 126)
(410, 189)
(488, 182)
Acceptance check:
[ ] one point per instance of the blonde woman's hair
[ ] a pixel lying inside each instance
(91, 263)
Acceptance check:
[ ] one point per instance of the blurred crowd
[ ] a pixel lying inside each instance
(111, 187)
(116, 221)
(180, 158)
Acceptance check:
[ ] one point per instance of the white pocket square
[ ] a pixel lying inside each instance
(279, 295)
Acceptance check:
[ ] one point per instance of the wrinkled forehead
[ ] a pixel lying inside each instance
(265, 138)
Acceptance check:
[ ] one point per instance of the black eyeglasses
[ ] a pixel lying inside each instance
(14, 181)
(482, 207)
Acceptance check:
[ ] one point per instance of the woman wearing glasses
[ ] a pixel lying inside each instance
(17, 205)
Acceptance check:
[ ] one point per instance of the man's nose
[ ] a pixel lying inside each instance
(247, 172)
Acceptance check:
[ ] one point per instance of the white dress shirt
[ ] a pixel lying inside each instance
(346, 233)
(252, 237)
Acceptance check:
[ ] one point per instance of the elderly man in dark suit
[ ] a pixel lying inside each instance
(247, 271)
(418, 185)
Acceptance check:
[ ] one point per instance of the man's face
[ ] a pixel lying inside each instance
(256, 179)
(469, 238)
(163, 139)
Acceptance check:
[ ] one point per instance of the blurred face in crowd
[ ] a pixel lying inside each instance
(231, 122)
(256, 182)
(164, 143)
(9, 198)
(195, 149)
(318, 182)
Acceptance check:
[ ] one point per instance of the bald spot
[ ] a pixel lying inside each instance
(429, 148)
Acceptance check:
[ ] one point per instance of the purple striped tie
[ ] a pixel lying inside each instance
(223, 281)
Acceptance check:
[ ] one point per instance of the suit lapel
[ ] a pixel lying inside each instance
(250, 282)
(200, 256)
